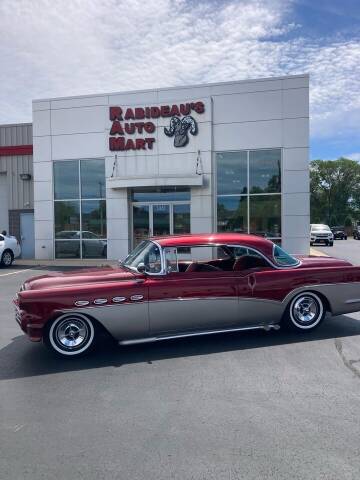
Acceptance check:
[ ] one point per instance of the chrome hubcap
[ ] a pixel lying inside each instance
(306, 309)
(71, 333)
(7, 258)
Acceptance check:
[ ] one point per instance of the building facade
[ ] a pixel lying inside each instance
(112, 169)
(16, 184)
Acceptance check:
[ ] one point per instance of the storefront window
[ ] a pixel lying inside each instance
(66, 180)
(181, 219)
(92, 178)
(249, 192)
(232, 173)
(232, 214)
(159, 211)
(80, 225)
(264, 171)
(161, 194)
(265, 215)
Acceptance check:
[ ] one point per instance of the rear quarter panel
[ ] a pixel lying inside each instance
(340, 286)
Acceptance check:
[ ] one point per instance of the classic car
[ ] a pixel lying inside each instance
(339, 233)
(180, 286)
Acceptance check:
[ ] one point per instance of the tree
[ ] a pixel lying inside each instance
(335, 191)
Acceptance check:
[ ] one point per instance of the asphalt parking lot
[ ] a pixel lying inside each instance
(245, 406)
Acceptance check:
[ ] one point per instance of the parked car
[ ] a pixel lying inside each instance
(356, 232)
(68, 244)
(321, 233)
(9, 249)
(339, 233)
(179, 286)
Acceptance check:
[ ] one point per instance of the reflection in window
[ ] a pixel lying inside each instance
(80, 225)
(67, 219)
(92, 178)
(93, 218)
(264, 171)
(265, 215)
(249, 192)
(160, 194)
(181, 219)
(232, 214)
(67, 249)
(66, 179)
(232, 173)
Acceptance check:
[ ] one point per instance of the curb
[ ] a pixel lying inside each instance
(317, 253)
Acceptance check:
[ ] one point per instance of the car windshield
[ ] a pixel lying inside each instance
(147, 253)
(317, 228)
(283, 259)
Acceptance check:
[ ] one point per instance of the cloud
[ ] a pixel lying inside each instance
(353, 156)
(62, 48)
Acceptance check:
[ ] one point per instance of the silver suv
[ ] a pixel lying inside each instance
(321, 233)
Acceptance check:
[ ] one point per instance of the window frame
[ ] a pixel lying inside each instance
(248, 195)
(80, 199)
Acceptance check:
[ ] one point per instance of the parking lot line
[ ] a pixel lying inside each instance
(14, 273)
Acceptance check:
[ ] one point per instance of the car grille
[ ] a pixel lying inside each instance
(17, 316)
(321, 235)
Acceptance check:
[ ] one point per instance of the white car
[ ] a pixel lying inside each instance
(9, 249)
(321, 233)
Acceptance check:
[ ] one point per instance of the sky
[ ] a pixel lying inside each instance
(63, 48)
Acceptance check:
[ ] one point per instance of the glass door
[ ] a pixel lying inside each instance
(141, 223)
(158, 219)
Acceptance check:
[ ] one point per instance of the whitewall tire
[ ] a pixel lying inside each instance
(70, 335)
(305, 312)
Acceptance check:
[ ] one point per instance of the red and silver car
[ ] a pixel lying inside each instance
(183, 286)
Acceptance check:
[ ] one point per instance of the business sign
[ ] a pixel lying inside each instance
(133, 128)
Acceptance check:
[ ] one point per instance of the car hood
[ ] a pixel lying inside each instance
(79, 277)
(313, 261)
(315, 232)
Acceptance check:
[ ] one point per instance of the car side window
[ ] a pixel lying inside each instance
(1, 238)
(171, 260)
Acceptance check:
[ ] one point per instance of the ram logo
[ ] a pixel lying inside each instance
(179, 129)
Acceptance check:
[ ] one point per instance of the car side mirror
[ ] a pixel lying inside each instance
(141, 268)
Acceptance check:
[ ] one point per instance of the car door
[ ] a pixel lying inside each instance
(194, 301)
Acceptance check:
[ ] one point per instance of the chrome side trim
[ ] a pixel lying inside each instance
(197, 334)
(81, 303)
(100, 301)
(136, 298)
(353, 300)
(118, 299)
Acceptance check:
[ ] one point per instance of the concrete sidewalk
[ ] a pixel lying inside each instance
(76, 263)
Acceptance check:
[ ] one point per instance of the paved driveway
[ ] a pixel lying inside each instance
(348, 249)
(246, 406)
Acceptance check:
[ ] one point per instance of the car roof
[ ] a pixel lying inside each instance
(246, 240)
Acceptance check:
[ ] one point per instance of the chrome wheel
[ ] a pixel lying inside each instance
(6, 259)
(306, 311)
(71, 334)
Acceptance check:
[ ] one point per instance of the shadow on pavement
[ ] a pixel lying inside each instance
(22, 359)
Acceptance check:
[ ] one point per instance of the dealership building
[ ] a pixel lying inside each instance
(112, 169)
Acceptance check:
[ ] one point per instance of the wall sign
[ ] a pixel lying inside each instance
(132, 129)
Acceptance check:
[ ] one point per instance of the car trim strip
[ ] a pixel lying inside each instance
(198, 333)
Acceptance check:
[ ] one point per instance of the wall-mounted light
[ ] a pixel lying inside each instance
(25, 176)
